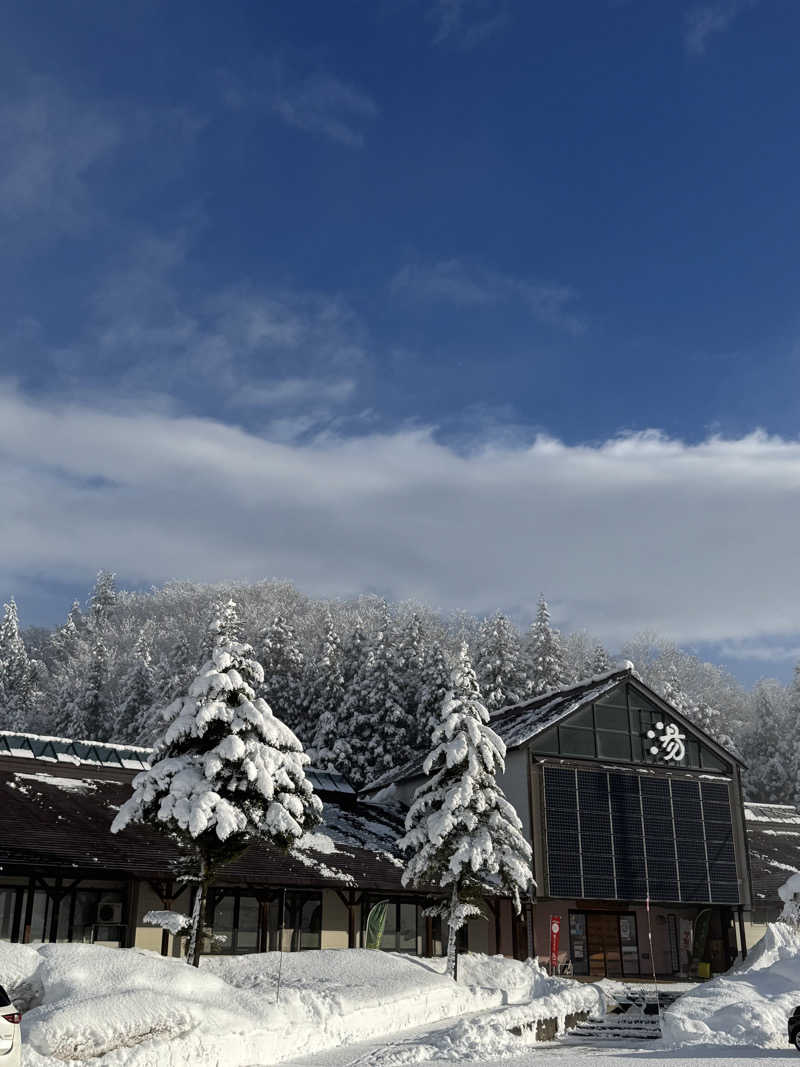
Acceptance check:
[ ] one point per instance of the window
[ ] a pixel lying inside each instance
(403, 929)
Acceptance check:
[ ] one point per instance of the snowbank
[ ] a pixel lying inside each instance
(747, 1006)
(109, 1007)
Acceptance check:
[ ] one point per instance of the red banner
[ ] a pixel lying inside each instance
(555, 930)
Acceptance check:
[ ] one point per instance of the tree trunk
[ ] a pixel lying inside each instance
(193, 951)
(452, 952)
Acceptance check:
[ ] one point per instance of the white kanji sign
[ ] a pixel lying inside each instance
(671, 742)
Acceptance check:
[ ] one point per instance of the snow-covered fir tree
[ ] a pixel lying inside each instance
(324, 688)
(283, 664)
(461, 832)
(768, 749)
(545, 655)
(138, 693)
(17, 674)
(597, 663)
(87, 712)
(499, 664)
(391, 726)
(102, 600)
(433, 688)
(226, 772)
(175, 669)
(411, 656)
(354, 726)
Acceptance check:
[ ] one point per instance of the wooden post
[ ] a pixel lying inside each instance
(742, 938)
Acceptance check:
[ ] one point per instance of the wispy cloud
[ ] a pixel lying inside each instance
(317, 102)
(148, 336)
(51, 142)
(705, 21)
(472, 285)
(466, 23)
(402, 512)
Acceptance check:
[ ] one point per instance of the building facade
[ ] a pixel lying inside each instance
(635, 817)
(637, 826)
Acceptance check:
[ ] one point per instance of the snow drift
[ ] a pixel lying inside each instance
(749, 1005)
(109, 1007)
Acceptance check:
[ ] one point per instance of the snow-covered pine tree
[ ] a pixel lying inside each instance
(433, 688)
(411, 656)
(283, 664)
(598, 662)
(102, 600)
(17, 674)
(225, 773)
(499, 664)
(354, 726)
(461, 832)
(89, 716)
(138, 693)
(545, 656)
(324, 701)
(767, 747)
(389, 739)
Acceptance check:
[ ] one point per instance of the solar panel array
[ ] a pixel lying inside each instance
(618, 836)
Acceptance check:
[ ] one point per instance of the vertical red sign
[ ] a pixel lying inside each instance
(555, 930)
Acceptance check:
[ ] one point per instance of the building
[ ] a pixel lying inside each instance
(635, 817)
(773, 833)
(637, 826)
(65, 877)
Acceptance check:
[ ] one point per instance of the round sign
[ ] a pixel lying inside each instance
(555, 926)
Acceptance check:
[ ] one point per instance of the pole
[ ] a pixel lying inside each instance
(280, 944)
(652, 956)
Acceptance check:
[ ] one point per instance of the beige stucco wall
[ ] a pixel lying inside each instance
(334, 920)
(149, 937)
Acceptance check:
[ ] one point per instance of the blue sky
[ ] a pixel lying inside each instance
(459, 299)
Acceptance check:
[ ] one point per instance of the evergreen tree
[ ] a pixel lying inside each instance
(499, 667)
(283, 664)
(138, 692)
(354, 724)
(226, 772)
(461, 832)
(767, 749)
(17, 674)
(389, 739)
(545, 656)
(102, 601)
(598, 662)
(411, 657)
(175, 670)
(434, 686)
(86, 714)
(324, 702)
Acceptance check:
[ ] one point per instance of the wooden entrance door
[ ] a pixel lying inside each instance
(605, 952)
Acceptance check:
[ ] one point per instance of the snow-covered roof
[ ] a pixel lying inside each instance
(77, 753)
(128, 757)
(773, 835)
(771, 812)
(519, 723)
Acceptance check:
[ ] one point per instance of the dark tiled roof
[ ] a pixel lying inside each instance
(59, 817)
(518, 723)
(773, 833)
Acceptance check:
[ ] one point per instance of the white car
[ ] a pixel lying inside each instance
(10, 1039)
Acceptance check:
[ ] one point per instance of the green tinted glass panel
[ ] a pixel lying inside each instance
(611, 718)
(576, 742)
(613, 745)
(547, 743)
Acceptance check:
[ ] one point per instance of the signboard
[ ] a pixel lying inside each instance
(555, 931)
(666, 740)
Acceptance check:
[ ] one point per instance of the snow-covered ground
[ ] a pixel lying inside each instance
(85, 1004)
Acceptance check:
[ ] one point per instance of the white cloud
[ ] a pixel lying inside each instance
(472, 285)
(697, 542)
(467, 22)
(708, 19)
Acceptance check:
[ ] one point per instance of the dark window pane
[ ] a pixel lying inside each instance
(611, 718)
(582, 718)
(613, 745)
(576, 742)
(546, 744)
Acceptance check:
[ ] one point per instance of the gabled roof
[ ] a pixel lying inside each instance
(518, 723)
(773, 834)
